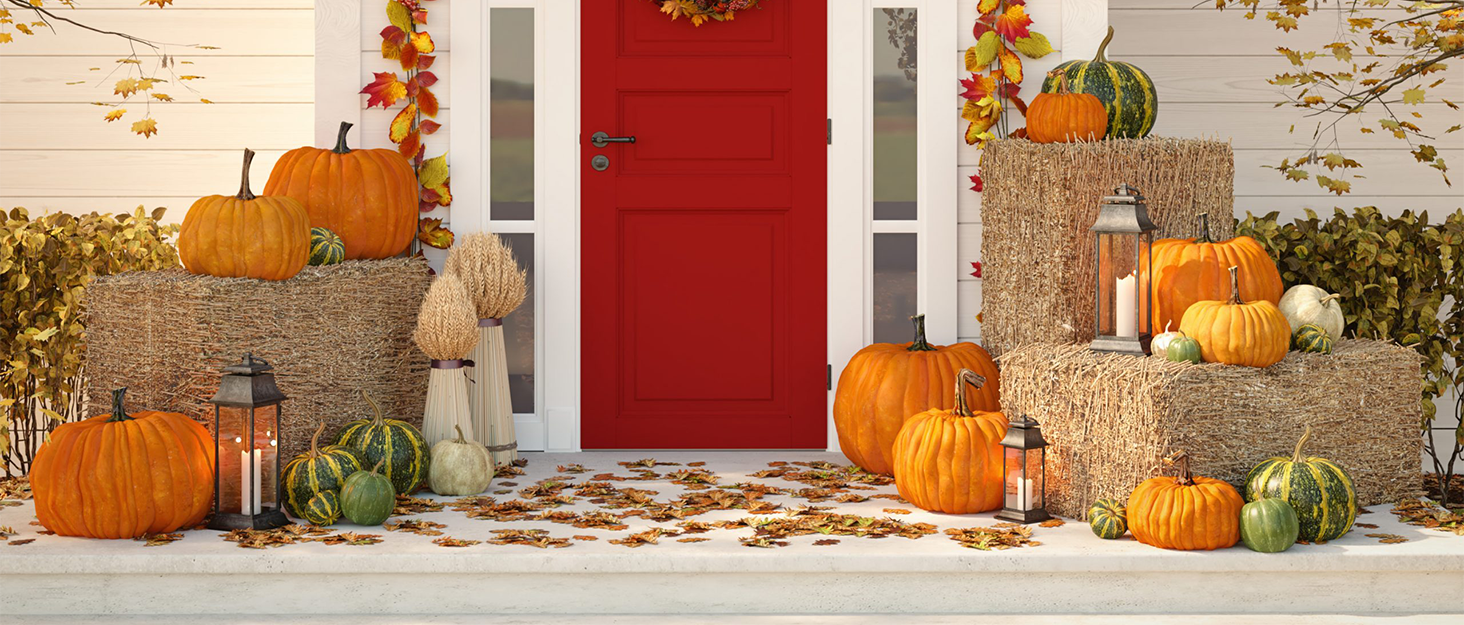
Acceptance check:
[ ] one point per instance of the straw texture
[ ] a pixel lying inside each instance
(330, 333)
(1039, 202)
(497, 286)
(1110, 419)
(447, 329)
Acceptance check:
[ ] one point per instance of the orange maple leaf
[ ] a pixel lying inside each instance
(385, 90)
(115, 114)
(1013, 23)
(430, 232)
(147, 127)
(402, 123)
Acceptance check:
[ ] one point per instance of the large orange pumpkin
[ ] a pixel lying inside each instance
(1185, 512)
(367, 197)
(1235, 332)
(124, 475)
(1193, 270)
(951, 460)
(244, 236)
(886, 383)
(1063, 116)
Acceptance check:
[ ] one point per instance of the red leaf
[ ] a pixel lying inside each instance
(426, 79)
(977, 184)
(385, 90)
(428, 126)
(409, 56)
(980, 29)
(427, 102)
(413, 87)
(977, 86)
(1020, 133)
(423, 207)
(420, 17)
(1017, 100)
(411, 144)
(395, 35)
(1013, 24)
(976, 264)
(425, 61)
(430, 196)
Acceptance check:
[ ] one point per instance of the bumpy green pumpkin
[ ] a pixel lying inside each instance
(326, 248)
(1268, 525)
(318, 470)
(1127, 93)
(1312, 338)
(1108, 518)
(367, 498)
(322, 509)
(1320, 492)
(1184, 349)
(397, 444)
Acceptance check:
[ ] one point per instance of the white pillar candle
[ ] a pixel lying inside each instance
(249, 482)
(1124, 306)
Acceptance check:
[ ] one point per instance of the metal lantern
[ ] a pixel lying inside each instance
(246, 437)
(1125, 237)
(1024, 473)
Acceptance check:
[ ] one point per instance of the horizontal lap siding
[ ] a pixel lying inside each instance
(57, 154)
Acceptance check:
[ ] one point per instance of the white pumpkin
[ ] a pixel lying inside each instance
(1159, 346)
(1304, 303)
(460, 466)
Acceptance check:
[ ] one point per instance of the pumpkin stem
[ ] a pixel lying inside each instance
(377, 469)
(315, 440)
(459, 428)
(244, 192)
(966, 376)
(118, 412)
(1235, 286)
(1334, 296)
(379, 418)
(1183, 477)
(1204, 229)
(1296, 455)
(340, 147)
(1103, 47)
(919, 344)
(1062, 82)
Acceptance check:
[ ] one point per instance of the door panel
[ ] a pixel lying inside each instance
(703, 243)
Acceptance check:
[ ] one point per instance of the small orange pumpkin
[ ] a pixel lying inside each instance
(1185, 512)
(124, 475)
(244, 236)
(1234, 332)
(1193, 270)
(367, 197)
(951, 460)
(886, 383)
(1064, 116)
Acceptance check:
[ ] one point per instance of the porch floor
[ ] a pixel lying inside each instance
(1070, 572)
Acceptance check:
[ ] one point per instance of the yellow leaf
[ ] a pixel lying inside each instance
(115, 114)
(399, 15)
(189, 77)
(6, 38)
(146, 127)
(23, 28)
(1035, 46)
(125, 87)
(389, 50)
(985, 7)
(163, 97)
(984, 52)
(434, 172)
(1413, 96)
(129, 62)
(401, 125)
(423, 43)
(205, 100)
(1011, 65)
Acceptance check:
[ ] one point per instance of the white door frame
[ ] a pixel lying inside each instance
(557, 154)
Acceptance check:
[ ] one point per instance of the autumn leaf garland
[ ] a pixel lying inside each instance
(1003, 36)
(702, 11)
(405, 40)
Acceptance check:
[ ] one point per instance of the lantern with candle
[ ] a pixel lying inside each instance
(1025, 473)
(1124, 237)
(246, 435)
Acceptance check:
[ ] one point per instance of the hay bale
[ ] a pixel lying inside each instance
(1110, 419)
(1040, 200)
(329, 332)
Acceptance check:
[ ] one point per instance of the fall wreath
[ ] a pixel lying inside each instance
(700, 11)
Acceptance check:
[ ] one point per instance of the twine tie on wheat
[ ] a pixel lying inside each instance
(489, 323)
(460, 363)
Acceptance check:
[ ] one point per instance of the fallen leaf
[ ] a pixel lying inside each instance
(584, 537)
(1053, 522)
(23, 541)
(448, 541)
(154, 540)
(896, 511)
(415, 526)
(824, 542)
(693, 539)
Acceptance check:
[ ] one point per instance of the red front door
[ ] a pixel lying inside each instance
(703, 242)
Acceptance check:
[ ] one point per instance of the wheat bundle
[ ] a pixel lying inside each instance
(496, 285)
(447, 331)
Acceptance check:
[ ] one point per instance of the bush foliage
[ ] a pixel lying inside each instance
(45, 265)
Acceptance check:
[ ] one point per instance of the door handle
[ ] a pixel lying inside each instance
(600, 139)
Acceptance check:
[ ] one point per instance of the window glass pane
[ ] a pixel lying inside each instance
(518, 331)
(894, 287)
(511, 101)
(894, 114)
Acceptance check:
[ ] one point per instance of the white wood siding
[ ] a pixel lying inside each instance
(57, 154)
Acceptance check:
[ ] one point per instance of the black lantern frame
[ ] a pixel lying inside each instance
(248, 386)
(1123, 296)
(1025, 495)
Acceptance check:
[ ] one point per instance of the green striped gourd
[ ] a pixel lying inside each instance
(1318, 490)
(326, 247)
(323, 509)
(1268, 525)
(367, 498)
(1108, 518)
(316, 471)
(1127, 93)
(398, 443)
(1312, 338)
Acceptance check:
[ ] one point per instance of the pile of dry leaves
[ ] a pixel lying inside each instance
(292, 534)
(1429, 515)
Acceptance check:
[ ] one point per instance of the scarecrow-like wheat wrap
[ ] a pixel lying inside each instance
(496, 285)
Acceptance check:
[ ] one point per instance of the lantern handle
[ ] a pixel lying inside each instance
(963, 378)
